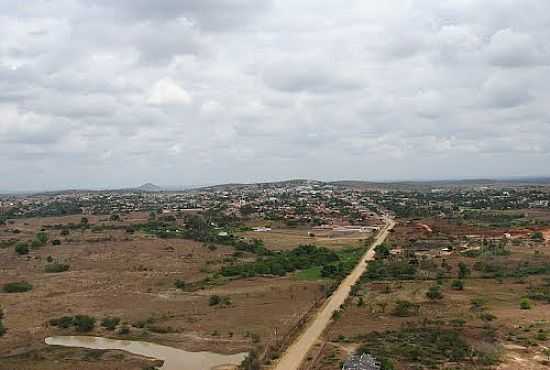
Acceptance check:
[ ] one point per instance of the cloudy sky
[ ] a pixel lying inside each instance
(102, 93)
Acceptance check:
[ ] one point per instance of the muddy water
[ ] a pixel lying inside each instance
(174, 359)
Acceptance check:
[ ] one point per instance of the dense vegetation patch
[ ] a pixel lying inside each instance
(398, 269)
(81, 323)
(3, 329)
(198, 228)
(56, 267)
(17, 287)
(425, 346)
(281, 263)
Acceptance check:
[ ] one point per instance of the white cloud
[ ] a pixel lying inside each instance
(168, 92)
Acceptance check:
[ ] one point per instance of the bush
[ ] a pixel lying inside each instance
(434, 293)
(84, 323)
(35, 244)
(110, 323)
(214, 300)
(179, 284)
(405, 309)
(457, 285)
(463, 270)
(41, 237)
(2, 329)
(525, 304)
(56, 267)
(21, 248)
(17, 287)
(56, 242)
(64, 322)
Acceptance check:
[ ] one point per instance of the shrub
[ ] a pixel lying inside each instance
(537, 236)
(21, 248)
(179, 284)
(56, 242)
(2, 329)
(63, 322)
(84, 323)
(434, 293)
(463, 270)
(56, 267)
(405, 309)
(110, 323)
(35, 244)
(457, 285)
(525, 304)
(214, 300)
(17, 287)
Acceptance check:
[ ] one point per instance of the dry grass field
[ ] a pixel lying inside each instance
(132, 276)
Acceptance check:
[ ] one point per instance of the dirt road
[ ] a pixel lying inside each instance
(296, 353)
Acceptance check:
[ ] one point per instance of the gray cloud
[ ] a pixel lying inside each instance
(112, 93)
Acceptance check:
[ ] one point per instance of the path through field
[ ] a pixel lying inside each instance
(293, 357)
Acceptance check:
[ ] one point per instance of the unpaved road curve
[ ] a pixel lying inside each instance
(293, 357)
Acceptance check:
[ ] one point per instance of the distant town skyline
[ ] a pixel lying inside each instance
(110, 94)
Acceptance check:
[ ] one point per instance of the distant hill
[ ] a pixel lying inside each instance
(148, 187)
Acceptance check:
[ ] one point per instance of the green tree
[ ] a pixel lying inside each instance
(21, 248)
(381, 251)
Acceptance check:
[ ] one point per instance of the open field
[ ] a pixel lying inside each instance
(287, 238)
(131, 276)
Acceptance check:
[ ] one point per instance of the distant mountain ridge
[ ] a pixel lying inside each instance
(387, 185)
